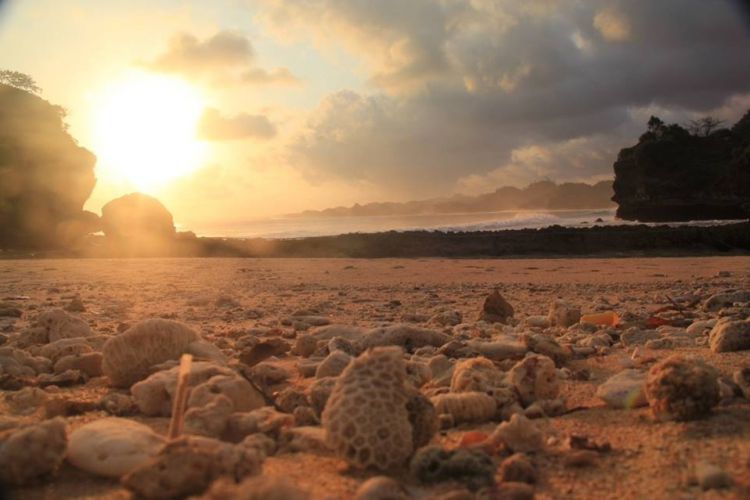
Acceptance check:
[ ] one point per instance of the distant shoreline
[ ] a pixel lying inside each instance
(554, 241)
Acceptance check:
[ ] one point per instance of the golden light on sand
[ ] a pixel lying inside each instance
(145, 130)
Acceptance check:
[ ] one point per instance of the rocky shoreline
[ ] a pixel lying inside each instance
(375, 379)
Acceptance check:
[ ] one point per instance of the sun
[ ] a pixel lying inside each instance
(145, 130)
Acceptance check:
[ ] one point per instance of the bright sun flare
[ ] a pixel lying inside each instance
(144, 130)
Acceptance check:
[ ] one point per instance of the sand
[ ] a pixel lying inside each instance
(648, 459)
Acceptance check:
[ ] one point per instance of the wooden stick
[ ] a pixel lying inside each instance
(180, 397)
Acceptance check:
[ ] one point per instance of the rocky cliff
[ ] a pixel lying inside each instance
(676, 175)
(45, 177)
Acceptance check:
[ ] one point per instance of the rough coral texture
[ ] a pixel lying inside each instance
(153, 396)
(381, 488)
(211, 419)
(535, 377)
(679, 388)
(729, 336)
(519, 434)
(128, 356)
(241, 393)
(407, 336)
(496, 309)
(188, 465)
(465, 406)
(473, 468)
(423, 418)
(32, 452)
(476, 374)
(562, 313)
(58, 324)
(366, 418)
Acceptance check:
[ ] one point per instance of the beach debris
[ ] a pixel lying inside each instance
(534, 377)
(210, 419)
(518, 468)
(679, 388)
(57, 324)
(447, 318)
(179, 401)
(519, 434)
(26, 401)
(89, 363)
(459, 407)
(381, 488)
(29, 453)
(188, 465)
(319, 392)
(547, 346)
(304, 346)
(711, 477)
(264, 350)
(624, 390)
(240, 392)
(728, 335)
(514, 490)
(580, 458)
(563, 313)
(726, 299)
(255, 488)
(476, 374)
(75, 305)
(607, 318)
(470, 467)
(406, 336)
(496, 309)
(129, 356)
(741, 377)
(153, 396)
(111, 447)
(265, 420)
(333, 364)
(423, 417)
(365, 418)
(118, 404)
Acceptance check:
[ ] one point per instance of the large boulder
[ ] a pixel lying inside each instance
(137, 221)
(45, 177)
(672, 174)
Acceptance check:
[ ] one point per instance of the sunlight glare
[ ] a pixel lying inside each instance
(145, 130)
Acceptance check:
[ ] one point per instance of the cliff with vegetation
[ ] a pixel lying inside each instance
(695, 173)
(45, 177)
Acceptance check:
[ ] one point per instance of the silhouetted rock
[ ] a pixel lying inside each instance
(138, 223)
(45, 177)
(673, 175)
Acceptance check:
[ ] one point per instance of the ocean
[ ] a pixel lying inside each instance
(300, 227)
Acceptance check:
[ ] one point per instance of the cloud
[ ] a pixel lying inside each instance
(213, 126)
(224, 58)
(460, 87)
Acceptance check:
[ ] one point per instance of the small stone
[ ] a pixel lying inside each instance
(305, 346)
(333, 364)
(211, 419)
(471, 467)
(535, 377)
(32, 452)
(721, 300)
(580, 458)
(741, 377)
(496, 309)
(711, 477)
(264, 350)
(111, 447)
(75, 305)
(514, 490)
(381, 488)
(728, 336)
(26, 401)
(518, 468)
(118, 404)
(89, 363)
(624, 390)
(564, 314)
(519, 434)
(678, 388)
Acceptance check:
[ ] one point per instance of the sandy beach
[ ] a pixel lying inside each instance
(225, 300)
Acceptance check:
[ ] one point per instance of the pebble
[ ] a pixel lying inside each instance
(381, 488)
(112, 447)
(711, 477)
(29, 453)
(728, 336)
(625, 390)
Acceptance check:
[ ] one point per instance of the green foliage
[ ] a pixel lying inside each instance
(19, 80)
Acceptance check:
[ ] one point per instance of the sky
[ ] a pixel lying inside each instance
(233, 110)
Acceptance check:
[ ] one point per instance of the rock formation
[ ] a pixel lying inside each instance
(45, 177)
(673, 175)
(138, 223)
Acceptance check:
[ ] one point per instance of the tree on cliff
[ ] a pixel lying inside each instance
(19, 80)
(703, 127)
(45, 177)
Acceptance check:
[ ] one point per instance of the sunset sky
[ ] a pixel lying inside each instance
(236, 109)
